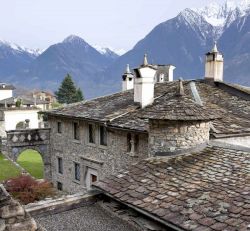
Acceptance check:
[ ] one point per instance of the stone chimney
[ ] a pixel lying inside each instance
(214, 65)
(165, 73)
(127, 79)
(144, 83)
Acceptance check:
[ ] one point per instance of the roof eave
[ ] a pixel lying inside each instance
(155, 218)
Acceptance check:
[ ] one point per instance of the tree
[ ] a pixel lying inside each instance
(79, 95)
(67, 92)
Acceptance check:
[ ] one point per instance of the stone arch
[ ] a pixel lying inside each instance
(36, 166)
(16, 151)
(36, 139)
(41, 149)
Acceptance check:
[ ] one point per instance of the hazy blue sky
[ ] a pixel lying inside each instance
(116, 23)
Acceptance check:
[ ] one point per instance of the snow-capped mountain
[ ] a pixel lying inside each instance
(20, 49)
(221, 16)
(109, 50)
(185, 39)
(181, 41)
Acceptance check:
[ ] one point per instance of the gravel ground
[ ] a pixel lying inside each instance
(87, 218)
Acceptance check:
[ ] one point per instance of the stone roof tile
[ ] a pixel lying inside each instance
(196, 191)
(119, 110)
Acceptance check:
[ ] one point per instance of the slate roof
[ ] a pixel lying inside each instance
(25, 101)
(119, 110)
(4, 86)
(206, 190)
(179, 108)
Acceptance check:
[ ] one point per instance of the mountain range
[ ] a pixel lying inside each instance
(181, 41)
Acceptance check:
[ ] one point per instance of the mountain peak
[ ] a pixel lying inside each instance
(20, 49)
(73, 39)
(217, 14)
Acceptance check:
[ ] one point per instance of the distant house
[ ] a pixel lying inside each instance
(19, 112)
(6, 91)
(44, 96)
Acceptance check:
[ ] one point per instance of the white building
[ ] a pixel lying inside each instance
(18, 113)
(18, 118)
(6, 91)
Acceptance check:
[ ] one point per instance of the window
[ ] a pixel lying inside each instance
(76, 131)
(93, 178)
(59, 186)
(91, 134)
(77, 171)
(59, 127)
(103, 136)
(161, 78)
(129, 144)
(136, 143)
(60, 165)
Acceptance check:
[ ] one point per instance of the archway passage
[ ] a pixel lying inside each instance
(32, 162)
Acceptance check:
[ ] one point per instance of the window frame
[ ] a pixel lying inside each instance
(59, 128)
(76, 131)
(129, 144)
(77, 175)
(60, 165)
(93, 134)
(103, 136)
(59, 186)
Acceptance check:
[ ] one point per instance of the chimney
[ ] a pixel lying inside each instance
(144, 83)
(165, 73)
(171, 73)
(127, 80)
(214, 65)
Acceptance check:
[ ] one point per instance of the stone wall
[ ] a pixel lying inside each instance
(13, 216)
(104, 160)
(175, 136)
(18, 141)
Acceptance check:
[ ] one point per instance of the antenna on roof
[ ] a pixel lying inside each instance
(128, 69)
(145, 60)
(215, 49)
(180, 88)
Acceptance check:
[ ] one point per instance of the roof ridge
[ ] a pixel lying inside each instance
(238, 87)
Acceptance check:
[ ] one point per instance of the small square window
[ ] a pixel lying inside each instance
(60, 165)
(59, 186)
(77, 171)
(103, 136)
(91, 134)
(93, 178)
(59, 127)
(76, 129)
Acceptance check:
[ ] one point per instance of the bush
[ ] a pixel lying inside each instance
(27, 190)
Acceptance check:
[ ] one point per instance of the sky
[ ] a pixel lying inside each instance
(108, 23)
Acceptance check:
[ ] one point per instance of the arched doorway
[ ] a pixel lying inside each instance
(32, 162)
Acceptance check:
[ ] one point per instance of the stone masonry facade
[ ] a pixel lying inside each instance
(174, 136)
(104, 160)
(13, 216)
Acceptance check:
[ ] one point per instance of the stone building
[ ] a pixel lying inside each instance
(13, 216)
(93, 139)
(197, 176)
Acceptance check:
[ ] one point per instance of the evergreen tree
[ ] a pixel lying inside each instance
(67, 92)
(79, 95)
